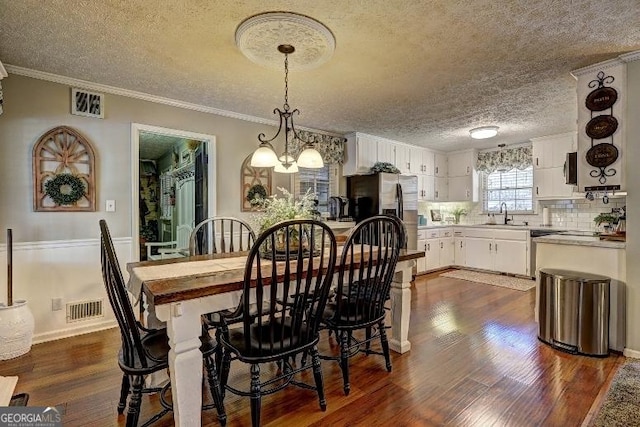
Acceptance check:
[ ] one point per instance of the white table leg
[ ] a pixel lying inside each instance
(401, 307)
(185, 361)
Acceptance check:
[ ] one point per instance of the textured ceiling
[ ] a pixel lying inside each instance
(422, 72)
(153, 145)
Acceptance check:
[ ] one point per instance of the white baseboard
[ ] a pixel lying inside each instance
(631, 353)
(72, 332)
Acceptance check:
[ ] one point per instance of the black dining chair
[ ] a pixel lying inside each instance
(221, 235)
(367, 264)
(144, 351)
(291, 261)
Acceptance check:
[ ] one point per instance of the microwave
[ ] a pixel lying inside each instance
(571, 169)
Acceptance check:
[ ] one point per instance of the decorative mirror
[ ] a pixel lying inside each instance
(253, 182)
(64, 172)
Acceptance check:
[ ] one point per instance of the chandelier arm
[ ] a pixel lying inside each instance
(262, 137)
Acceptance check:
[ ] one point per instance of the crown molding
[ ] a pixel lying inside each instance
(631, 56)
(597, 67)
(84, 84)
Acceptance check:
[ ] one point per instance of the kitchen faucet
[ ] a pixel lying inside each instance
(506, 221)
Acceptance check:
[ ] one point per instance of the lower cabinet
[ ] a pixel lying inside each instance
(504, 251)
(500, 250)
(438, 246)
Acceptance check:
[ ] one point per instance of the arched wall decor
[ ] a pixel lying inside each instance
(249, 177)
(61, 152)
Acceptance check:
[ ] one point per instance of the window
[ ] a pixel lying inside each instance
(322, 181)
(514, 187)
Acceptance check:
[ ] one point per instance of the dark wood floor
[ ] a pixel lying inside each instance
(475, 361)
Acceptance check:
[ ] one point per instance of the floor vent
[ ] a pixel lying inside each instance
(84, 310)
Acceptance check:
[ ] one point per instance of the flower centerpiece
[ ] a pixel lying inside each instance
(276, 209)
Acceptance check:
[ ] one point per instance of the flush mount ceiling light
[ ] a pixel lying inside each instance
(484, 132)
(262, 39)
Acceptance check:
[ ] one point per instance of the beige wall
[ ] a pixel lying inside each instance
(633, 206)
(32, 107)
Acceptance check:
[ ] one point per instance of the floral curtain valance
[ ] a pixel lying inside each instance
(331, 148)
(504, 160)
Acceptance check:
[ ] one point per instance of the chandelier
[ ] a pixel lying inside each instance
(265, 155)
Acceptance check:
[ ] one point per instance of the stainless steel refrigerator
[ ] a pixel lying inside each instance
(385, 193)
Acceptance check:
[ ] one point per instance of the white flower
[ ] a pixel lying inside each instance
(279, 209)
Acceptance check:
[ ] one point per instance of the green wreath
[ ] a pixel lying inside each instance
(256, 194)
(75, 186)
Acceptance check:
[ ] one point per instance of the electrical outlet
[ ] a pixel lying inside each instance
(56, 304)
(111, 206)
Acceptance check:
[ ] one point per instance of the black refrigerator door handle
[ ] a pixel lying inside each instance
(400, 202)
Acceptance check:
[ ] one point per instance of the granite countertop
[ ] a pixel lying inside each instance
(567, 239)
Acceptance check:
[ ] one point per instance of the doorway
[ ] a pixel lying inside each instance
(186, 162)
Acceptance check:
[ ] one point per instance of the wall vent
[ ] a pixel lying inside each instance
(84, 310)
(88, 104)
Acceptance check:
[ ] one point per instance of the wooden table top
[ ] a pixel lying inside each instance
(226, 279)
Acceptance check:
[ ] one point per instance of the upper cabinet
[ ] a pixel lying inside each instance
(428, 162)
(549, 156)
(362, 154)
(440, 165)
(464, 185)
(387, 152)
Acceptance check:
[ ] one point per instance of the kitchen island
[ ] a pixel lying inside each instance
(589, 254)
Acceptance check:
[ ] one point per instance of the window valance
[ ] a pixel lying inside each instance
(504, 160)
(331, 148)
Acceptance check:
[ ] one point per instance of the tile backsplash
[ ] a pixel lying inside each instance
(572, 214)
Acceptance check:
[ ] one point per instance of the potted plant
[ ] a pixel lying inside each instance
(457, 213)
(606, 220)
(276, 209)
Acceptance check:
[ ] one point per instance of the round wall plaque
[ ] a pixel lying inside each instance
(601, 126)
(602, 155)
(601, 99)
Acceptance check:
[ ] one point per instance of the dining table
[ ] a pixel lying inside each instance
(179, 291)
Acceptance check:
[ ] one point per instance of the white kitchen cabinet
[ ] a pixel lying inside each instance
(428, 162)
(549, 156)
(441, 189)
(440, 165)
(459, 251)
(464, 185)
(464, 188)
(409, 159)
(426, 187)
(462, 163)
(505, 251)
(387, 152)
(361, 154)
(510, 256)
(550, 183)
(438, 247)
(479, 253)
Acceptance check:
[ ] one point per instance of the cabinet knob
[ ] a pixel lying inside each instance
(441, 245)
(496, 246)
(489, 246)
(428, 246)
(460, 244)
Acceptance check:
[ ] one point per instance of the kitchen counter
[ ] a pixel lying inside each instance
(593, 241)
(501, 226)
(340, 225)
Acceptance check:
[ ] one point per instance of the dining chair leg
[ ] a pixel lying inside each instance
(367, 345)
(124, 392)
(317, 375)
(344, 360)
(218, 352)
(214, 387)
(256, 398)
(135, 401)
(385, 345)
(224, 373)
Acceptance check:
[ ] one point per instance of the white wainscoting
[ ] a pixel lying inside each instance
(69, 270)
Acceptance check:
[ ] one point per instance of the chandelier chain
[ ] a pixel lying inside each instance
(286, 82)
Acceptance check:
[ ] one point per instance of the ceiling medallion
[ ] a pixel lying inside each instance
(258, 38)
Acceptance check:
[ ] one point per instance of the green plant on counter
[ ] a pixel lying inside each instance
(457, 213)
(384, 167)
(606, 218)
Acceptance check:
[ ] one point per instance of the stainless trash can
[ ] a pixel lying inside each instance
(573, 311)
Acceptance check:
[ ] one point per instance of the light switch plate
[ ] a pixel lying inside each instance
(111, 206)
